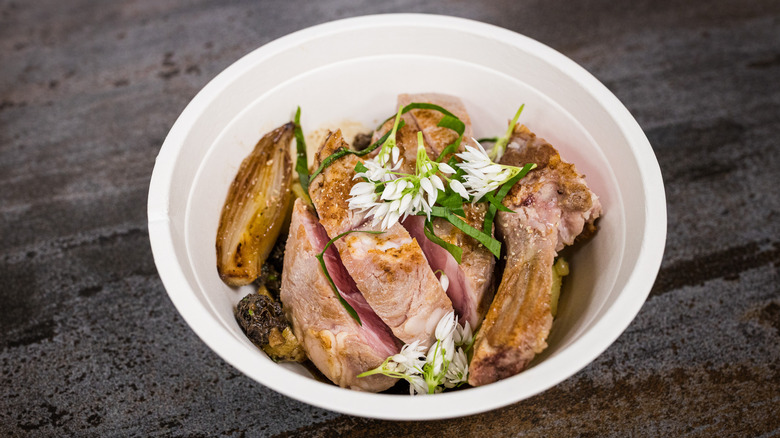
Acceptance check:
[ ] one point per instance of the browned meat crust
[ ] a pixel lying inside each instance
(390, 268)
(552, 205)
(339, 347)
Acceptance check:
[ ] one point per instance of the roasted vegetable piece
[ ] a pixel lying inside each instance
(262, 320)
(559, 270)
(255, 208)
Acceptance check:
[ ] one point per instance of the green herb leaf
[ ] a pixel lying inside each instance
(493, 245)
(360, 167)
(301, 162)
(321, 258)
(495, 200)
(496, 203)
(450, 121)
(456, 251)
(451, 201)
(451, 149)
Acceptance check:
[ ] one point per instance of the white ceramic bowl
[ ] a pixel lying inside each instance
(352, 70)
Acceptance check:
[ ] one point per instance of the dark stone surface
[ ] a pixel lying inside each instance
(90, 345)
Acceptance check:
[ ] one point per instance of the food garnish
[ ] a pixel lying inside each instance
(255, 209)
(390, 196)
(301, 161)
(500, 142)
(466, 194)
(445, 364)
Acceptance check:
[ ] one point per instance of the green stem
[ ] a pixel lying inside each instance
(500, 146)
(301, 162)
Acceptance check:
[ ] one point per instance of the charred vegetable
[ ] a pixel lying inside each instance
(263, 322)
(256, 207)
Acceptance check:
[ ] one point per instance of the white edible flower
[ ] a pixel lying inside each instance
(463, 334)
(411, 358)
(457, 186)
(445, 281)
(446, 326)
(435, 359)
(417, 385)
(482, 175)
(389, 197)
(363, 196)
(444, 365)
(457, 372)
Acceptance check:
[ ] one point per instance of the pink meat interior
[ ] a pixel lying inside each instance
(376, 332)
(441, 260)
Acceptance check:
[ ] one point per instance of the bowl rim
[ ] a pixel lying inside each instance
(394, 407)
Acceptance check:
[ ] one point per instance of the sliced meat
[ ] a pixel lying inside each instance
(471, 285)
(405, 139)
(390, 269)
(427, 120)
(337, 345)
(552, 205)
(436, 138)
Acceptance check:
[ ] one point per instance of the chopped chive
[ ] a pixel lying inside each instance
(321, 258)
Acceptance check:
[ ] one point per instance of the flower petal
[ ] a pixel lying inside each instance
(457, 186)
(445, 168)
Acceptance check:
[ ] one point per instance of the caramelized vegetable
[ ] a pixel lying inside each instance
(255, 209)
(559, 270)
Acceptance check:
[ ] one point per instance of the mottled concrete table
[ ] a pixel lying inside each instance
(91, 345)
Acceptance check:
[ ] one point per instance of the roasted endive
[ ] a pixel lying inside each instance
(255, 209)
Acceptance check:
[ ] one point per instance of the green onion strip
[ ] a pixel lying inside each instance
(495, 199)
(493, 245)
(301, 162)
(456, 251)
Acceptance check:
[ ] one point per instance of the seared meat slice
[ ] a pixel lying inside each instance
(336, 344)
(390, 269)
(471, 285)
(426, 120)
(552, 205)
(405, 139)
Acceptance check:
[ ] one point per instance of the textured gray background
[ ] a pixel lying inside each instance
(90, 344)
